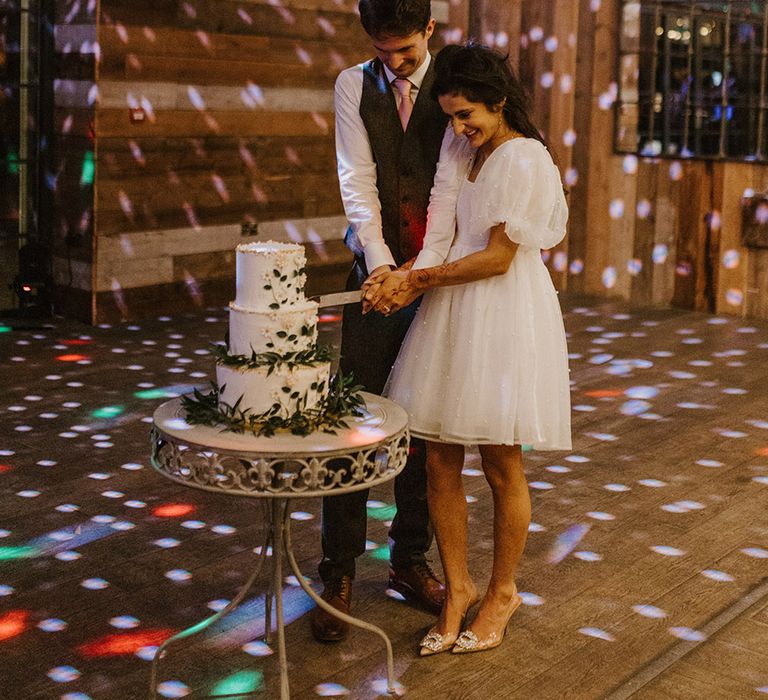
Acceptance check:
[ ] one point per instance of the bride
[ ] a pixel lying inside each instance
(485, 361)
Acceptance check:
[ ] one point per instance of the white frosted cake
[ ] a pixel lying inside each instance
(272, 319)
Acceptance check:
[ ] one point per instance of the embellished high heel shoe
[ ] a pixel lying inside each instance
(468, 641)
(434, 642)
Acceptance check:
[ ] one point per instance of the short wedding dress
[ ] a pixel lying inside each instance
(486, 362)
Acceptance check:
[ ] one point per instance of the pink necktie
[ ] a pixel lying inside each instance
(403, 86)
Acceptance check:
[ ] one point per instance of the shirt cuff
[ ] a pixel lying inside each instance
(377, 254)
(427, 258)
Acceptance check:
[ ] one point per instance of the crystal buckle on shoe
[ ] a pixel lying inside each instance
(467, 640)
(434, 641)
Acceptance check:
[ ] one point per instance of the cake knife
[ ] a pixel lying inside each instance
(338, 298)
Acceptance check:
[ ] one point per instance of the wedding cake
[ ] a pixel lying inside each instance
(272, 363)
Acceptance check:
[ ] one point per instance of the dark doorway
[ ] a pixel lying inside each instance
(26, 120)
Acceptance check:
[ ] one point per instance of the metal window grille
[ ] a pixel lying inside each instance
(692, 79)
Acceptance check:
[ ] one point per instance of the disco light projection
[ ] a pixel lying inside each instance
(108, 412)
(331, 690)
(88, 170)
(380, 553)
(124, 644)
(13, 623)
(687, 634)
(246, 623)
(173, 510)
(173, 689)
(531, 599)
(734, 297)
(240, 683)
(63, 674)
(72, 357)
(566, 542)
(381, 511)
(597, 633)
(667, 551)
(193, 288)
(609, 277)
(660, 253)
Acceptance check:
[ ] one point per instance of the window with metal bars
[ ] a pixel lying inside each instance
(693, 79)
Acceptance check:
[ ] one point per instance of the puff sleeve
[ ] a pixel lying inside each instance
(525, 193)
(441, 214)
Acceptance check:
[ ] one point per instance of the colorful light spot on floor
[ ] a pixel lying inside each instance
(650, 611)
(597, 633)
(687, 634)
(257, 648)
(13, 623)
(331, 690)
(173, 510)
(667, 551)
(20, 552)
(72, 358)
(173, 689)
(107, 412)
(63, 674)
(122, 644)
(240, 683)
(381, 511)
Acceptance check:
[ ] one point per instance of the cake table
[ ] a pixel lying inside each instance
(277, 469)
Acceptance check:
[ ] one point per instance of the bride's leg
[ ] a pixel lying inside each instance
(503, 467)
(448, 512)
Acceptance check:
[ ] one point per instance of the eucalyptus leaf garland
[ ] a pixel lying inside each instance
(329, 416)
(273, 360)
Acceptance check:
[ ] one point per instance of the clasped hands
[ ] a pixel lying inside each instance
(387, 291)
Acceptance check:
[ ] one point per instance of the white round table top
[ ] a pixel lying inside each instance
(381, 419)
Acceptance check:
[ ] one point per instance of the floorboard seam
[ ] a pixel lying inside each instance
(666, 660)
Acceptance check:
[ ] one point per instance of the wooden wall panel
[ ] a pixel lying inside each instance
(600, 140)
(667, 212)
(694, 204)
(581, 184)
(240, 128)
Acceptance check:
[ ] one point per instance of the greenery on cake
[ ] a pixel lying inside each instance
(272, 360)
(329, 416)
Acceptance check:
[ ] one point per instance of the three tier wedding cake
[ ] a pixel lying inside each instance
(271, 374)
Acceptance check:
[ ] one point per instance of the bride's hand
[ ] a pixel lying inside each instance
(393, 294)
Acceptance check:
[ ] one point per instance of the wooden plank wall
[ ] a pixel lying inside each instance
(238, 98)
(651, 231)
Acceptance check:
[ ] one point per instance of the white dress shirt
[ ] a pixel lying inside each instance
(357, 172)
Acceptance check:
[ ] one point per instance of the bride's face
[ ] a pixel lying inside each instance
(472, 120)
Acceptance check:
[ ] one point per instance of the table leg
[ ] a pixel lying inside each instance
(280, 512)
(286, 535)
(200, 626)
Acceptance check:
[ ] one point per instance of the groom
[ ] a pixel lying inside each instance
(388, 136)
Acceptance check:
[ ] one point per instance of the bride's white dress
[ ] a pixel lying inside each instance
(486, 362)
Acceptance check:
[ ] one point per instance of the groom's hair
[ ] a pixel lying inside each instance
(394, 17)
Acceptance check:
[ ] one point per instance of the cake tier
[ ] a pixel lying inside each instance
(269, 275)
(287, 329)
(299, 387)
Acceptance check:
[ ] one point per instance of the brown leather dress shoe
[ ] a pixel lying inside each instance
(326, 627)
(419, 585)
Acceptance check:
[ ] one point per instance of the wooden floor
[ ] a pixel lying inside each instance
(644, 536)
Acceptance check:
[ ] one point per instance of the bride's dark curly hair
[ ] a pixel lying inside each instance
(480, 74)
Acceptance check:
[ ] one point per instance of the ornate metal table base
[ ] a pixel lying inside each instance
(373, 450)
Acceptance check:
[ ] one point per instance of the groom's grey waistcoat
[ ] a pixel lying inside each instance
(405, 162)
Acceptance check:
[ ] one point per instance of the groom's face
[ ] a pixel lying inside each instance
(404, 54)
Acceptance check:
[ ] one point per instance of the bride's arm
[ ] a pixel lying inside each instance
(401, 287)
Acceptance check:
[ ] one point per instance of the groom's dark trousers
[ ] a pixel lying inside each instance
(369, 346)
